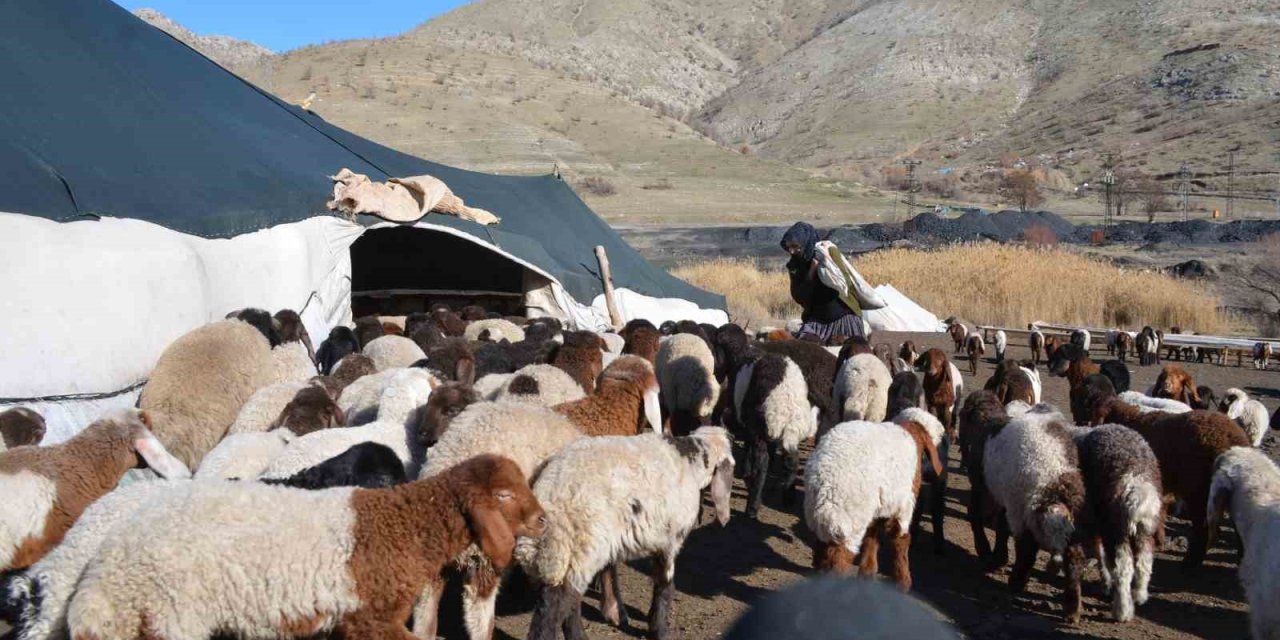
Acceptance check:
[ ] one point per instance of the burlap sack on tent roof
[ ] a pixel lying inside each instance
(400, 199)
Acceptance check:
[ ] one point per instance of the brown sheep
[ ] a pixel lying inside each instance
(625, 398)
(452, 359)
(581, 356)
(975, 347)
(1010, 383)
(49, 487)
(774, 335)
(982, 416)
(311, 409)
(20, 427)
(352, 368)
(1175, 383)
(1186, 445)
(1036, 342)
(1051, 344)
(1124, 342)
(908, 351)
(368, 329)
(939, 390)
(446, 402)
(392, 329)
(472, 313)
(449, 323)
(642, 339)
(958, 333)
(292, 330)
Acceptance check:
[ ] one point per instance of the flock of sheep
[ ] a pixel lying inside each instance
(293, 492)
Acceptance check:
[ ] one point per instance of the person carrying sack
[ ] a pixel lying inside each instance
(832, 294)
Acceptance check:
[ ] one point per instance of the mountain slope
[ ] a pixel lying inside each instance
(227, 51)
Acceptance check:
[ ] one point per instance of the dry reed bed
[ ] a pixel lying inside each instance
(1005, 285)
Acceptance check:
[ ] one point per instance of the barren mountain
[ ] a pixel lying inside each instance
(227, 51)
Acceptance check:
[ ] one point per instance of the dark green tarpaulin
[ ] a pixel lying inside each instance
(105, 115)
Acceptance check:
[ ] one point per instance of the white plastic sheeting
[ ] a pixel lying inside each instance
(88, 306)
(901, 314)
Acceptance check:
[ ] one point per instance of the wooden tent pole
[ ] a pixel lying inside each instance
(606, 276)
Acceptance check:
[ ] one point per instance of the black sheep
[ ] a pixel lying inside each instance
(340, 343)
(368, 465)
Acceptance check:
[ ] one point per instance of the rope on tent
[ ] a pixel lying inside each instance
(76, 396)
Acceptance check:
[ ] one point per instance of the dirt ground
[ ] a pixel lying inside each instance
(721, 571)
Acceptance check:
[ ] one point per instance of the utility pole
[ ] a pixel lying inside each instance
(1231, 174)
(1108, 181)
(912, 185)
(1184, 188)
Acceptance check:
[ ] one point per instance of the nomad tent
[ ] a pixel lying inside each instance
(148, 190)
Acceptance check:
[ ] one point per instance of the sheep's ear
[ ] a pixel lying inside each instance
(722, 490)
(337, 417)
(653, 409)
(492, 531)
(158, 459)
(280, 419)
(465, 371)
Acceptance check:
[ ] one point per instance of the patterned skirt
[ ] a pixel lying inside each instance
(846, 327)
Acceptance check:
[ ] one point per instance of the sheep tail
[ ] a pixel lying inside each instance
(547, 559)
(932, 451)
(1143, 504)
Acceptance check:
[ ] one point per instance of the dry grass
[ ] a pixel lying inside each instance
(989, 284)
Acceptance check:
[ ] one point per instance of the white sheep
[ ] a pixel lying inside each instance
(292, 362)
(393, 352)
(861, 477)
(1247, 483)
(862, 388)
(1148, 404)
(489, 386)
(618, 498)
(1250, 414)
(525, 432)
(1032, 470)
(1002, 343)
(540, 383)
(615, 342)
(776, 421)
(244, 456)
(41, 593)
(403, 394)
(687, 382)
(498, 330)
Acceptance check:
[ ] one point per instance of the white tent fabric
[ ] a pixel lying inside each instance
(89, 306)
(901, 314)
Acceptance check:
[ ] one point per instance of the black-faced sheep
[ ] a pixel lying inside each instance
(1122, 480)
(905, 392)
(368, 465)
(1186, 445)
(47, 488)
(982, 416)
(354, 560)
(1247, 483)
(862, 480)
(1032, 470)
(259, 319)
(292, 330)
(651, 500)
(20, 427)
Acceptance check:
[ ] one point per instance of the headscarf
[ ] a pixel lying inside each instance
(804, 235)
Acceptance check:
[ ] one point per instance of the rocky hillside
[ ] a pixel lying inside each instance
(227, 51)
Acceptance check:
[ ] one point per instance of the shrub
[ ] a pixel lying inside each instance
(1040, 235)
(660, 185)
(597, 186)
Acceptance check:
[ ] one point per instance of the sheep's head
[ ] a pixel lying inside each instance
(634, 372)
(642, 341)
(1052, 526)
(447, 402)
(1174, 382)
(1062, 358)
(712, 448)
(471, 313)
(311, 409)
(933, 362)
(908, 351)
(368, 329)
(1230, 397)
(499, 505)
(20, 427)
(449, 323)
(133, 427)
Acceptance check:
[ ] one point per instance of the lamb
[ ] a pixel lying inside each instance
(20, 427)
(451, 359)
(641, 339)
(540, 383)
(1031, 467)
(1186, 445)
(293, 330)
(1088, 398)
(494, 331)
(47, 488)
(203, 378)
(1175, 383)
(263, 408)
(650, 502)
(393, 352)
(1262, 352)
(1071, 361)
(1083, 339)
(982, 416)
(862, 389)
(959, 333)
(245, 455)
(351, 368)
(41, 593)
(581, 357)
(1247, 482)
(340, 545)
(368, 465)
(1002, 343)
(770, 401)
(1147, 404)
(1250, 414)
(614, 342)
(1051, 344)
(1124, 342)
(940, 389)
(820, 369)
(341, 342)
(1037, 344)
(1011, 383)
(905, 392)
(368, 329)
(1147, 344)
(447, 402)
(687, 382)
(626, 397)
(907, 351)
(1122, 479)
(861, 480)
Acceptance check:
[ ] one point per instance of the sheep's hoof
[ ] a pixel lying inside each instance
(1074, 618)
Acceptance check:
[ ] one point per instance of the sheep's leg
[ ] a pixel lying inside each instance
(479, 600)
(759, 474)
(572, 625)
(938, 502)
(1121, 558)
(371, 629)
(611, 605)
(868, 557)
(426, 611)
(1202, 536)
(901, 556)
(1106, 554)
(1074, 606)
(833, 557)
(977, 509)
(555, 606)
(1000, 555)
(1026, 548)
(664, 591)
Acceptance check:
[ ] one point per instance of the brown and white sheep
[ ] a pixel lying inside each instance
(975, 347)
(1176, 384)
(581, 356)
(959, 333)
(939, 387)
(47, 488)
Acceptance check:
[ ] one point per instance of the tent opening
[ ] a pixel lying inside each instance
(396, 271)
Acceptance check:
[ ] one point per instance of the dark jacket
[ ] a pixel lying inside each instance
(820, 302)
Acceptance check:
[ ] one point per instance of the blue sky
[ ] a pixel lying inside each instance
(281, 25)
